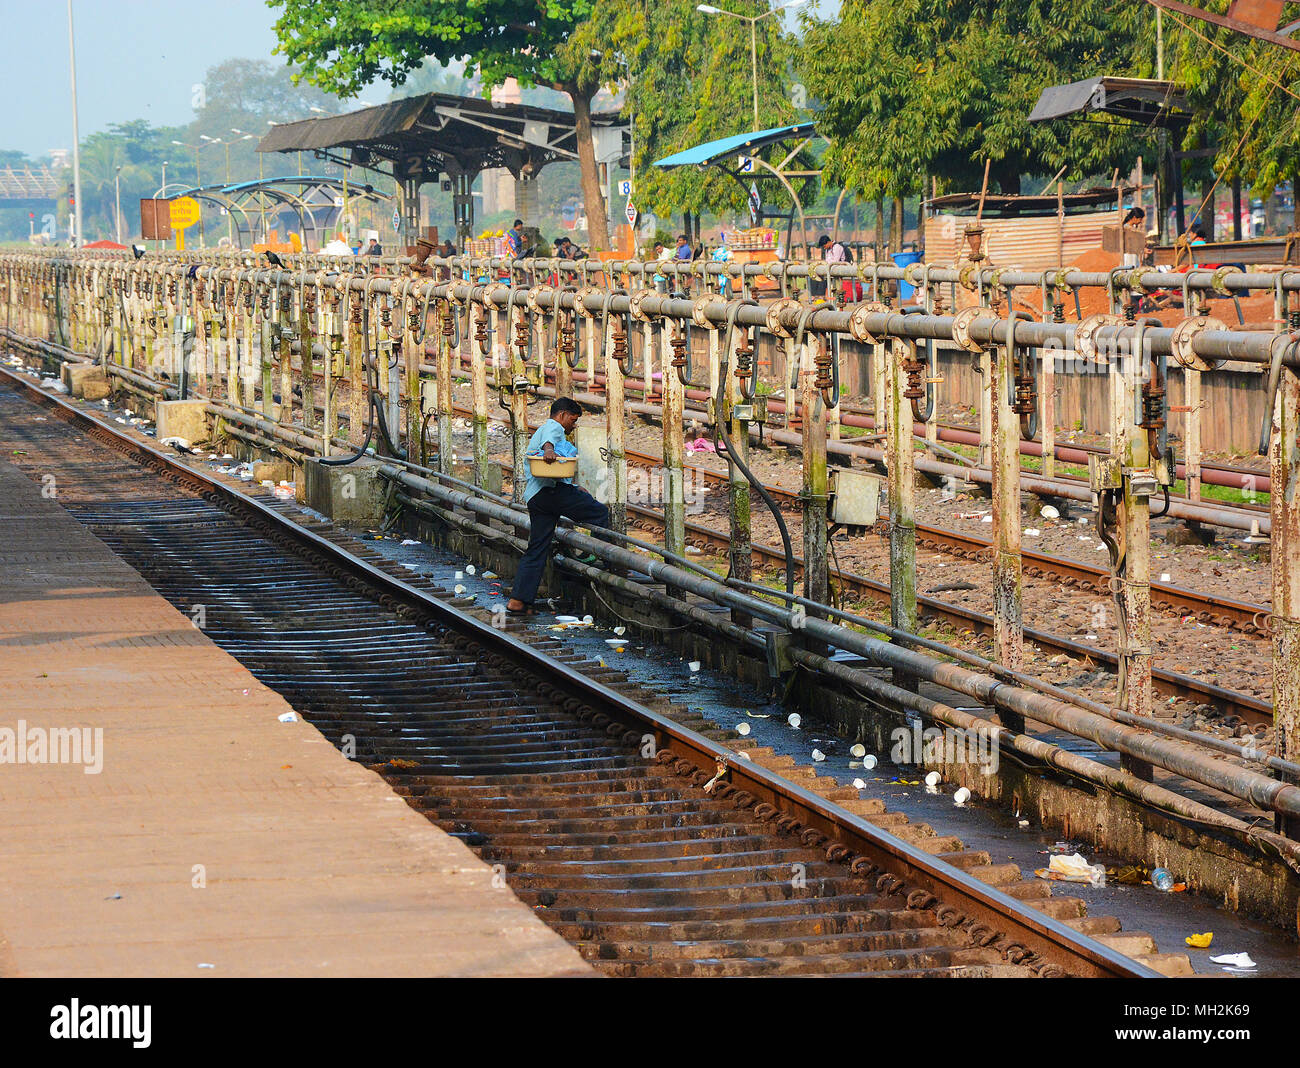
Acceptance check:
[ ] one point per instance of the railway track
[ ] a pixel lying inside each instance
(597, 808)
(1207, 608)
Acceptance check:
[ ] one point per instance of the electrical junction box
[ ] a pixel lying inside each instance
(855, 497)
(428, 395)
(1104, 473)
(593, 471)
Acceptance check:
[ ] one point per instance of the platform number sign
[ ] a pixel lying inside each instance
(745, 164)
(631, 213)
(625, 187)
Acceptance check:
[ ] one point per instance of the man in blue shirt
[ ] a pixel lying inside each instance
(515, 240)
(549, 499)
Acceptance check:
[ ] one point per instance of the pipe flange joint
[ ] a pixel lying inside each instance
(961, 324)
(774, 312)
(635, 302)
(580, 297)
(916, 274)
(699, 311)
(539, 298)
(1085, 335)
(858, 320)
(492, 290)
(1221, 273)
(1184, 334)
(967, 277)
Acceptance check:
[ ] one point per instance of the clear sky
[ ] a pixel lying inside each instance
(136, 59)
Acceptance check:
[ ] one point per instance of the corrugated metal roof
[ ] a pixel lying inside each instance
(714, 150)
(356, 127)
(1006, 205)
(431, 122)
(1149, 101)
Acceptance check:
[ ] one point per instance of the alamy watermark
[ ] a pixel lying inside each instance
(945, 745)
(53, 745)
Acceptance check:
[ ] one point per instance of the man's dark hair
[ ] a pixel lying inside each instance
(1199, 231)
(681, 237)
(823, 241)
(518, 222)
(565, 404)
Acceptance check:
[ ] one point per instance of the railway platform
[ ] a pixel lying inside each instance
(161, 819)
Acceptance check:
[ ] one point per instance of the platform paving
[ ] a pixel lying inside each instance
(215, 840)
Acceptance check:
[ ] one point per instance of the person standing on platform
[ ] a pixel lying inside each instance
(548, 499)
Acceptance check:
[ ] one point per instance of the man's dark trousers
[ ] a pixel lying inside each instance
(544, 511)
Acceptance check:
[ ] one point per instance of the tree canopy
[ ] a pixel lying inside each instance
(670, 58)
(343, 47)
(921, 88)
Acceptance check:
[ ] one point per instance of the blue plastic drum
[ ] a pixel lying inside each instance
(905, 259)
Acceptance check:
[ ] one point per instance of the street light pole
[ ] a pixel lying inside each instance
(76, 137)
(708, 9)
(117, 200)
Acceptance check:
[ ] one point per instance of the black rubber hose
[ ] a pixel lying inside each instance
(733, 457)
(370, 421)
(361, 451)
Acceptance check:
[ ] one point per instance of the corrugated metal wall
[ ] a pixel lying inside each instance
(1031, 244)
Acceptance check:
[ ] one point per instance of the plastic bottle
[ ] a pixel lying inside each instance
(1161, 879)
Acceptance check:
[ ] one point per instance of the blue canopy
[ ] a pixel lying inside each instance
(715, 150)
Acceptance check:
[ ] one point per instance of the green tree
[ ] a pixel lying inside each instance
(922, 88)
(1243, 93)
(345, 47)
(669, 58)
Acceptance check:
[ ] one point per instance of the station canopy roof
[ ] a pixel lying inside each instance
(1134, 101)
(745, 143)
(441, 134)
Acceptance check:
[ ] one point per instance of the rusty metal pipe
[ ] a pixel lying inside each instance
(1173, 756)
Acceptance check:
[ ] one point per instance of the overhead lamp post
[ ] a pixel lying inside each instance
(261, 198)
(76, 137)
(230, 233)
(753, 20)
(204, 141)
(117, 199)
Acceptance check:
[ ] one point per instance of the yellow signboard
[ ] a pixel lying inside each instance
(184, 212)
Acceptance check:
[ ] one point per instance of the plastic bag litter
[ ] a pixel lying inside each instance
(1235, 960)
(288, 717)
(1073, 869)
(1200, 941)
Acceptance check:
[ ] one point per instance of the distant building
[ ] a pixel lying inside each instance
(60, 158)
